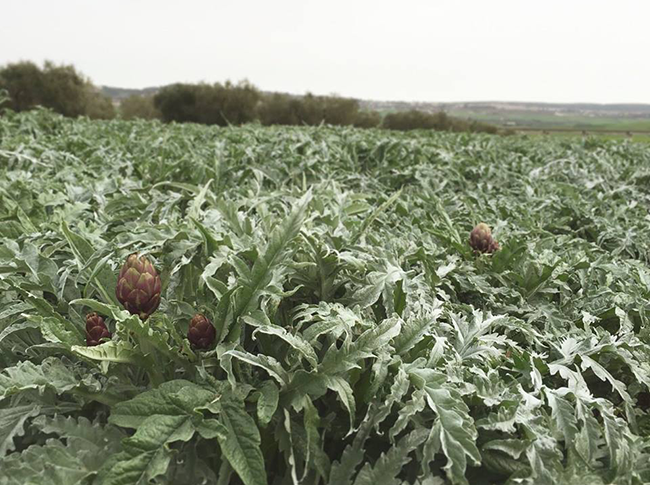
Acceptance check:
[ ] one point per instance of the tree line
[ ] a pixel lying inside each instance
(63, 89)
(58, 87)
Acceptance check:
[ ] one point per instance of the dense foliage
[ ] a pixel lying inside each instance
(25, 86)
(285, 109)
(234, 104)
(209, 104)
(441, 121)
(138, 106)
(359, 339)
(59, 87)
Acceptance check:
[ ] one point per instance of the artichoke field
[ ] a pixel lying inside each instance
(189, 305)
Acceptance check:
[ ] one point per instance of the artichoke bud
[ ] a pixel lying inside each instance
(96, 330)
(201, 333)
(481, 240)
(138, 286)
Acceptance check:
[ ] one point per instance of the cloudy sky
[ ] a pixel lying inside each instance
(433, 50)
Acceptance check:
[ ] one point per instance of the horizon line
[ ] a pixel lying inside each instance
(480, 101)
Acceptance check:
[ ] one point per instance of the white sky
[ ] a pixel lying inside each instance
(435, 50)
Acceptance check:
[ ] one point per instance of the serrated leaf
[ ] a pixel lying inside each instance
(50, 374)
(267, 403)
(145, 455)
(295, 341)
(341, 387)
(104, 280)
(564, 416)
(269, 364)
(457, 433)
(389, 464)
(265, 263)
(12, 422)
(240, 442)
(111, 351)
(83, 454)
(173, 398)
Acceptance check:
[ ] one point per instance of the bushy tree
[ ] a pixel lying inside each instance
(414, 119)
(177, 102)
(441, 121)
(211, 104)
(136, 106)
(98, 106)
(284, 109)
(65, 91)
(279, 109)
(24, 84)
(311, 110)
(368, 119)
(238, 102)
(59, 87)
(340, 111)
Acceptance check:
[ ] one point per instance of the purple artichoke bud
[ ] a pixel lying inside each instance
(480, 239)
(95, 330)
(138, 286)
(494, 246)
(201, 333)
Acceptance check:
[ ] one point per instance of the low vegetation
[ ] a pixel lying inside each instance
(414, 119)
(321, 305)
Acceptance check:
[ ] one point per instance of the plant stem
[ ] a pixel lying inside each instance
(101, 397)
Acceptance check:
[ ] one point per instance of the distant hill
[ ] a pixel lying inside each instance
(118, 94)
(633, 110)
(516, 115)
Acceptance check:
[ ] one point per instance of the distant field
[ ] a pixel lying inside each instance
(538, 134)
(561, 121)
(608, 121)
(577, 134)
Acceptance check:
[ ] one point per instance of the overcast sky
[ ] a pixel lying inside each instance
(435, 50)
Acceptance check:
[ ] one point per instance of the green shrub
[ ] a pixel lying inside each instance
(4, 97)
(139, 107)
(440, 121)
(367, 119)
(279, 109)
(210, 104)
(98, 106)
(285, 109)
(177, 102)
(24, 83)
(58, 87)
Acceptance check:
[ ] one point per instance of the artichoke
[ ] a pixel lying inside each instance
(481, 240)
(138, 286)
(95, 330)
(201, 333)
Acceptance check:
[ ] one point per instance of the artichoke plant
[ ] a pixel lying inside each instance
(138, 286)
(481, 240)
(96, 329)
(201, 333)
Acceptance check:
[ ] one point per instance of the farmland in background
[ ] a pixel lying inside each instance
(560, 119)
(607, 121)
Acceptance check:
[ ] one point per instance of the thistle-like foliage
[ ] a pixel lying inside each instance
(96, 329)
(138, 286)
(201, 332)
(353, 341)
